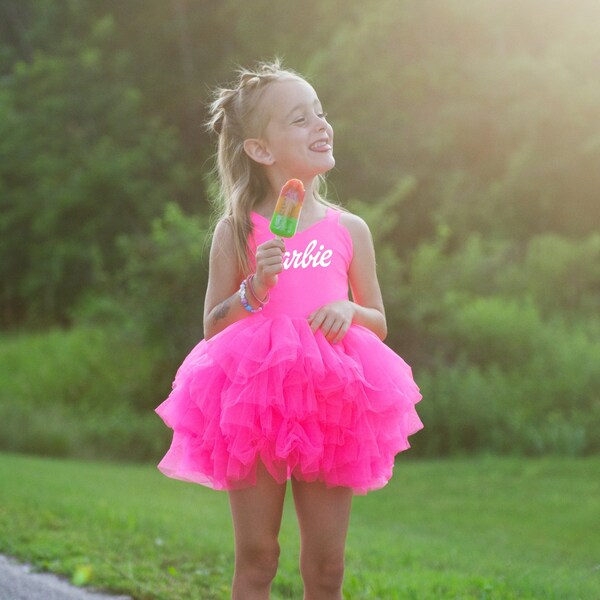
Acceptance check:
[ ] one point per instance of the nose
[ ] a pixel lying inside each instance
(321, 124)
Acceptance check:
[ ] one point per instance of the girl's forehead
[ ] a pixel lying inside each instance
(282, 96)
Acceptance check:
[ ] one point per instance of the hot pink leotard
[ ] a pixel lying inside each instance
(268, 388)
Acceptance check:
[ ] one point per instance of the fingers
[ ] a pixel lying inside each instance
(269, 261)
(272, 249)
(342, 331)
(333, 326)
(316, 319)
(269, 244)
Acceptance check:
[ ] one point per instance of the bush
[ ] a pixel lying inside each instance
(464, 410)
(81, 165)
(159, 291)
(119, 433)
(539, 395)
(83, 392)
(561, 275)
(490, 331)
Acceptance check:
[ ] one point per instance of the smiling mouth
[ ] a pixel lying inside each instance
(320, 146)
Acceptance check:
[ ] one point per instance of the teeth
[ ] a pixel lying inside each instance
(319, 144)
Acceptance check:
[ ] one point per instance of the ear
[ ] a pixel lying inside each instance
(258, 152)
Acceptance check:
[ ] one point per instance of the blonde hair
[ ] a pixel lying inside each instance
(234, 118)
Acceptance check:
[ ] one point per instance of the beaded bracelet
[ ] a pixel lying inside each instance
(244, 300)
(247, 283)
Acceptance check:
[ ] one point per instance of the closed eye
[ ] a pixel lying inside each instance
(298, 120)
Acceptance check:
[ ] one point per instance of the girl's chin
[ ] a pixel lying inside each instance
(327, 165)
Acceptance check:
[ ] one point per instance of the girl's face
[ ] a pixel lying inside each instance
(297, 139)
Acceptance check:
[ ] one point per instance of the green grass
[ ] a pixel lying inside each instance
(478, 528)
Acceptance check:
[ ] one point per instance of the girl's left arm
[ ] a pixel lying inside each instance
(362, 274)
(367, 310)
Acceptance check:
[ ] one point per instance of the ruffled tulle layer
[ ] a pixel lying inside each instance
(270, 389)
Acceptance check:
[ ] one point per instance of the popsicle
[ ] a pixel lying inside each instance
(284, 221)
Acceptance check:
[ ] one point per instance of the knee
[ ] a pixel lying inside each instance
(331, 574)
(325, 574)
(259, 562)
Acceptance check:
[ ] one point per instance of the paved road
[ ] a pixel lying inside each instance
(19, 582)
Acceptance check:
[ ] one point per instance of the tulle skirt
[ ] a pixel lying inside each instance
(271, 389)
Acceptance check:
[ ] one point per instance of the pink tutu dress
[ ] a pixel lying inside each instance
(268, 388)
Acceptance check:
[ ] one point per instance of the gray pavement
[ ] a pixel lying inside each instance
(19, 582)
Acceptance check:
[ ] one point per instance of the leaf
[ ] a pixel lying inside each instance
(82, 575)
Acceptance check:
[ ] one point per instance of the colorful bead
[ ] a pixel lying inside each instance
(244, 300)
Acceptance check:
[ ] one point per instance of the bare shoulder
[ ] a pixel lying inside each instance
(222, 240)
(223, 231)
(357, 227)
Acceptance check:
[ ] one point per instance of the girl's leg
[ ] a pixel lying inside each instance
(323, 515)
(256, 514)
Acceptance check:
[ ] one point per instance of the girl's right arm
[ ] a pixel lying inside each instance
(222, 305)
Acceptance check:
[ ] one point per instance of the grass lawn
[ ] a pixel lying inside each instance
(473, 528)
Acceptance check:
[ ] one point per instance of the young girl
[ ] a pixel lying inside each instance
(292, 380)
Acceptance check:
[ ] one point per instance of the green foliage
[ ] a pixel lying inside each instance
(492, 331)
(159, 290)
(489, 110)
(81, 164)
(562, 276)
(549, 279)
(84, 392)
(516, 385)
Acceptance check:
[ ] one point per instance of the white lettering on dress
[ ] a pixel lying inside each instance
(298, 259)
(326, 256)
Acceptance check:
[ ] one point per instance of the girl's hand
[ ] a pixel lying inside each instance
(334, 320)
(269, 262)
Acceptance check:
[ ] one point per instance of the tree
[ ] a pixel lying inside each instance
(81, 164)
